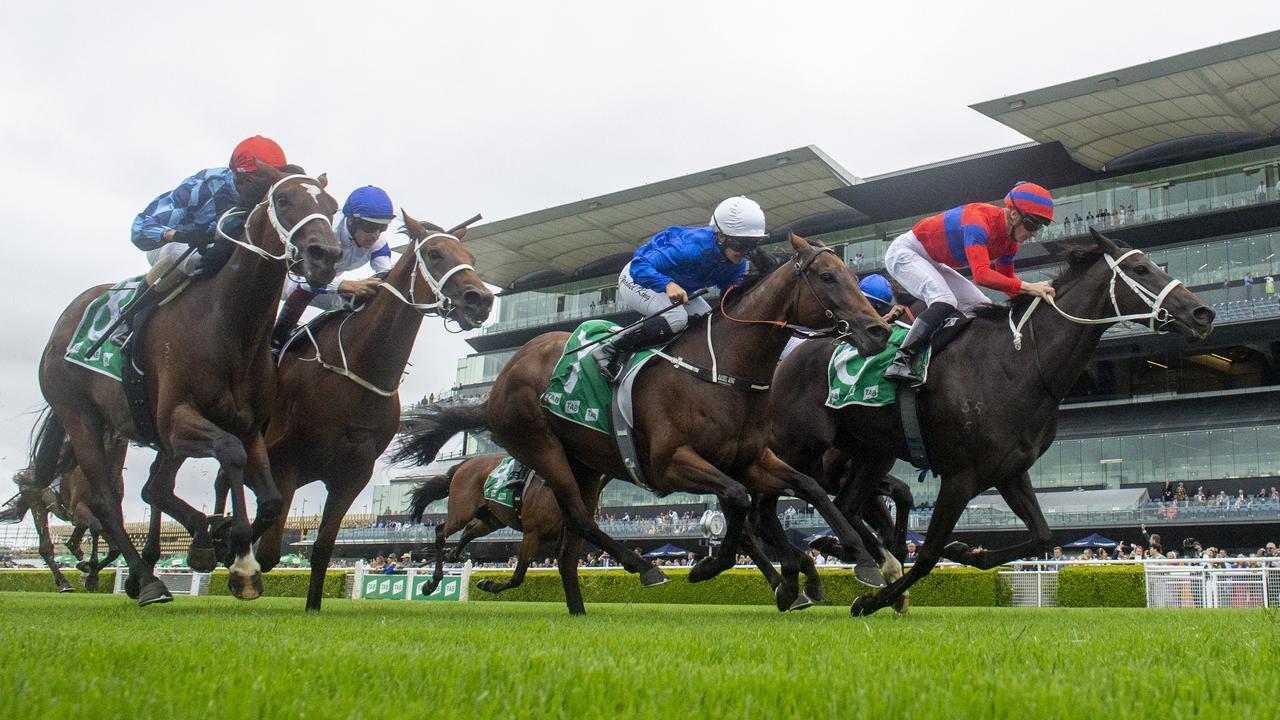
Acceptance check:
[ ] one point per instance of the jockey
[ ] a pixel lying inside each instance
(675, 262)
(188, 214)
(359, 227)
(923, 259)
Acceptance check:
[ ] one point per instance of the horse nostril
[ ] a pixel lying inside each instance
(317, 253)
(1204, 315)
(477, 300)
(879, 332)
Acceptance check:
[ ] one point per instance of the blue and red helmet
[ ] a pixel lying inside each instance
(876, 288)
(369, 203)
(1030, 199)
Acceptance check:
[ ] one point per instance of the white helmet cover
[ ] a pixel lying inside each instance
(739, 217)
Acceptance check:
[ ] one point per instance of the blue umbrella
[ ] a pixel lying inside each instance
(915, 537)
(1092, 540)
(666, 551)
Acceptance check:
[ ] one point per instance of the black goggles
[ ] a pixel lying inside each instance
(368, 226)
(742, 244)
(1032, 223)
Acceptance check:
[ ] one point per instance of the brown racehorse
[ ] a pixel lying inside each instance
(988, 408)
(539, 519)
(337, 408)
(70, 503)
(692, 435)
(209, 378)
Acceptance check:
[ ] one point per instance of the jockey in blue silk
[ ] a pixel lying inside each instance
(188, 214)
(674, 263)
(359, 228)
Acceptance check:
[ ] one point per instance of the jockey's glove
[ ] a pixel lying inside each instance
(195, 236)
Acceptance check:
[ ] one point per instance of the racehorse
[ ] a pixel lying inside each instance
(990, 404)
(70, 503)
(538, 518)
(337, 402)
(209, 381)
(704, 436)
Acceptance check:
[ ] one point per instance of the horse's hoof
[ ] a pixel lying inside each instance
(201, 559)
(154, 592)
(902, 604)
(245, 588)
(91, 583)
(65, 587)
(801, 602)
(430, 586)
(131, 587)
(862, 606)
(785, 596)
(704, 569)
(827, 545)
(868, 574)
(654, 577)
(956, 551)
(813, 588)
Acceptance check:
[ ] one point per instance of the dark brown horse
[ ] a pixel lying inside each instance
(988, 408)
(69, 502)
(539, 519)
(209, 380)
(337, 402)
(692, 435)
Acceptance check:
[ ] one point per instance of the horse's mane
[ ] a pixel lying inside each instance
(253, 187)
(760, 264)
(1080, 257)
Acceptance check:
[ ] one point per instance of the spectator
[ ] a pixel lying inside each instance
(911, 552)
(1248, 285)
(1180, 494)
(1260, 193)
(1153, 541)
(1057, 554)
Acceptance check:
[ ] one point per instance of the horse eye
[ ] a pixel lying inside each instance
(282, 199)
(435, 256)
(1142, 270)
(827, 277)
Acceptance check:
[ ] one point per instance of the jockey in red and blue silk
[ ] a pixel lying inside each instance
(983, 237)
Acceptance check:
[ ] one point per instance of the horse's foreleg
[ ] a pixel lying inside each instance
(270, 542)
(40, 516)
(528, 546)
(73, 540)
(787, 595)
(953, 497)
(341, 494)
(443, 531)
(220, 489)
(771, 474)
(257, 475)
(570, 552)
(158, 492)
(1021, 497)
(690, 472)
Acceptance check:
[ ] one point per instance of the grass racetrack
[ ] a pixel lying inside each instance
(103, 657)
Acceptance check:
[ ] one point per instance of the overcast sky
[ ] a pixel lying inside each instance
(499, 108)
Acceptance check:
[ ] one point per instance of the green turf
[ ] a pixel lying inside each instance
(102, 657)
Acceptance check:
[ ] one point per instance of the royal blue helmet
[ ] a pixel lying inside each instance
(369, 203)
(877, 288)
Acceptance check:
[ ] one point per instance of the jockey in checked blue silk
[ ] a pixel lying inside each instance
(985, 238)
(188, 215)
(674, 263)
(359, 228)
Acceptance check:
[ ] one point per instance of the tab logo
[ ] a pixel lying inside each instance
(553, 398)
(592, 415)
(871, 393)
(572, 406)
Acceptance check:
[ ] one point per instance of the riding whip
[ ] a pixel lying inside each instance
(692, 296)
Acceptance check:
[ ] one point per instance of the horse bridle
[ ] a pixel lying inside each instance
(442, 306)
(290, 254)
(839, 329)
(1153, 300)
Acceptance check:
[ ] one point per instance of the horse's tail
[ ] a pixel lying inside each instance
(423, 432)
(430, 490)
(14, 510)
(51, 456)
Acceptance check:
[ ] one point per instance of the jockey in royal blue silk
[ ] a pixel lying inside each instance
(188, 215)
(674, 263)
(359, 228)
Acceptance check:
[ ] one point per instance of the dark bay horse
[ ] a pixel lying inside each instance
(989, 409)
(693, 435)
(539, 519)
(209, 378)
(337, 402)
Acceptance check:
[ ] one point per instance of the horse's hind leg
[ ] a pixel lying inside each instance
(40, 516)
(342, 492)
(791, 555)
(528, 546)
(567, 558)
(1021, 498)
(73, 542)
(443, 531)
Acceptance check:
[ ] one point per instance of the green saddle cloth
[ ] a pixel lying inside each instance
(109, 360)
(856, 380)
(578, 392)
(505, 485)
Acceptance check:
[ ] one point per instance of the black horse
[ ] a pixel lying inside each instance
(988, 409)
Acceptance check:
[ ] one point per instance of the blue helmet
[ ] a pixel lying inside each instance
(370, 203)
(877, 288)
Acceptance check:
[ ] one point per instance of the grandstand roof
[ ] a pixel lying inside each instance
(1228, 92)
(1082, 500)
(579, 238)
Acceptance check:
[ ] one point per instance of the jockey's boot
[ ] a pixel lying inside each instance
(294, 306)
(903, 368)
(612, 355)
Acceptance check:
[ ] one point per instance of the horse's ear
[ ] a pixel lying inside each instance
(412, 227)
(1104, 243)
(798, 243)
(273, 173)
(461, 234)
(323, 179)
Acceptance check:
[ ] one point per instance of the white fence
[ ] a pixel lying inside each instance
(1244, 582)
(180, 581)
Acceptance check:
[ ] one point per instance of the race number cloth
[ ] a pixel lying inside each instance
(109, 360)
(856, 380)
(578, 392)
(505, 485)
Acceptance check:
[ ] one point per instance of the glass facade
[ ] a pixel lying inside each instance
(1145, 459)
